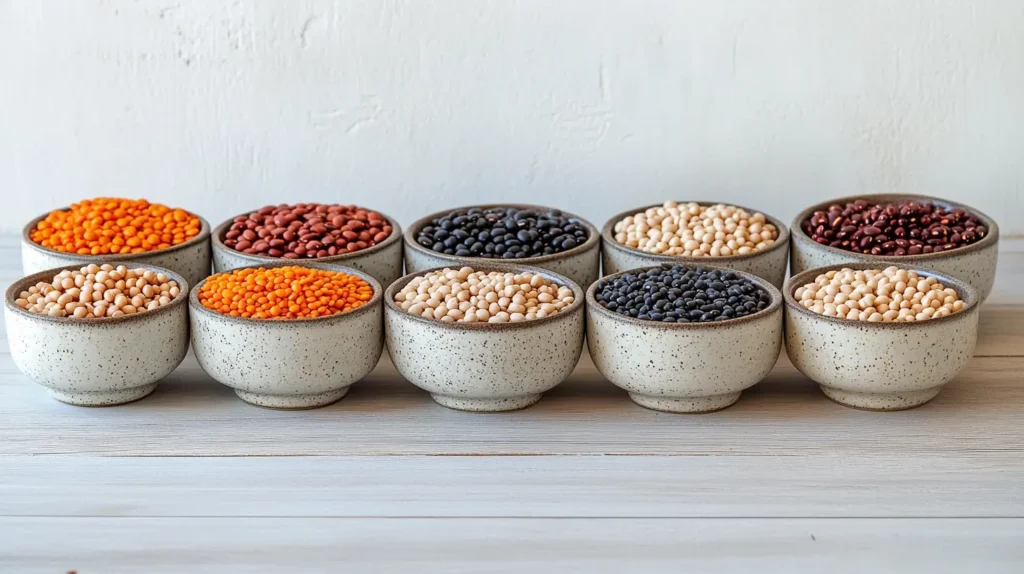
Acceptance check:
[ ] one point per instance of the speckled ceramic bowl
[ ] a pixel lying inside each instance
(289, 363)
(880, 366)
(485, 366)
(975, 263)
(191, 259)
(383, 261)
(580, 264)
(685, 367)
(99, 361)
(769, 264)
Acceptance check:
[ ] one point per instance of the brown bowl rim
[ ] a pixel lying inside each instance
(608, 235)
(577, 305)
(593, 238)
(773, 292)
(29, 280)
(992, 237)
(963, 289)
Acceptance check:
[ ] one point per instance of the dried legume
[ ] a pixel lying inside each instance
(693, 230)
(307, 230)
(502, 233)
(680, 294)
(891, 295)
(468, 296)
(283, 293)
(99, 291)
(893, 228)
(106, 226)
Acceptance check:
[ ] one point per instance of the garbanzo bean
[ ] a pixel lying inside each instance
(99, 291)
(283, 293)
(693, 230)
(892, 295)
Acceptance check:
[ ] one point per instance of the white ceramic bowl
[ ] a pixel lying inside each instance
(880, 366)
(98, 361)
(685, 367)
(289, 363)
(383, 261)
(485, 366)
(975, 263)
(580, 264)
(769, 264)
(191, 259)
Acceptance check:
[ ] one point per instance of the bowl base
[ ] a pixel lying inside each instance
(691, 405)
(102, 398)
(880, 401)
(292, 402)
(486, 405)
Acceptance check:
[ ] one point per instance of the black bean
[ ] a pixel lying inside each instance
(499, 229)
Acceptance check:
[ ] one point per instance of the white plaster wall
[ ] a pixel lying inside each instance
(591, 105)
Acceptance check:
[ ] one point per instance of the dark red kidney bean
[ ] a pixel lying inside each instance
(313, 245)
(285, 228)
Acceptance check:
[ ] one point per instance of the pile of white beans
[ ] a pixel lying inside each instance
(99, 291)
(892, 295)
(693, 230)
(468, 296)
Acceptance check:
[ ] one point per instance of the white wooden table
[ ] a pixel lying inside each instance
(192, 479)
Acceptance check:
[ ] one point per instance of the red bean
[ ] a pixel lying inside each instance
(307, 230)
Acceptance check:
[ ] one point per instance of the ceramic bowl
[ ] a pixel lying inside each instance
(975, 263)
(99, 361)
(580, 264)
(769, 264)
(191, 259)
(685, 367)
(880, 366)
(485, 366)
(289, 363)
(383, 261)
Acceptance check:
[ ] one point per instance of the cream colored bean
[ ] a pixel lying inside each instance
(889, 295)
(696, 231)
(91, 291)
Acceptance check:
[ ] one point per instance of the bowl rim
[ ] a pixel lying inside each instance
(22, 284)
(564, 314)
(593, 237)
(217, 239)
(26, 240)
(964, 290)
(990, 239)
(773, 292)
(608, 235)
(198, 308)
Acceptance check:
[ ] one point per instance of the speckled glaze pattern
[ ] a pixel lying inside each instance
(769, 264)
(97, 362)
(975, 263)
(383, 261)
(685, 367)
(880, 366)
(484, 366)
(191, 259)
(289, 364)
(581, 265)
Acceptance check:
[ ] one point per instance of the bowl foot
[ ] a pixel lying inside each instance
(102, 398)
(692, 405)
(880, 401)
(486, 405)
(292, 402)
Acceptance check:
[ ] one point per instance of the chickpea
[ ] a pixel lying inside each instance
(96, 291)
(888, 295)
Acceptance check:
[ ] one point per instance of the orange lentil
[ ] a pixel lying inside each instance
(106, 225)
(283, 293)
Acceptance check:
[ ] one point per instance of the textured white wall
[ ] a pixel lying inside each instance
(591, 105)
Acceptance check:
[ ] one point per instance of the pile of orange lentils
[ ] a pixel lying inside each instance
(111, 226)
(283, 293)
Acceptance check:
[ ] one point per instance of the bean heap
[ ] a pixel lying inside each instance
(468, 296)
(502, 232)
(283, 293)
(892, 295)
(679, 294)
(901, 228)
(693, 230)
(106, 226)
(307, 230)
(99, 291)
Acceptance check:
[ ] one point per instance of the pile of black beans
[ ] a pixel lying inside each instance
(502, 233)
(680, 294)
